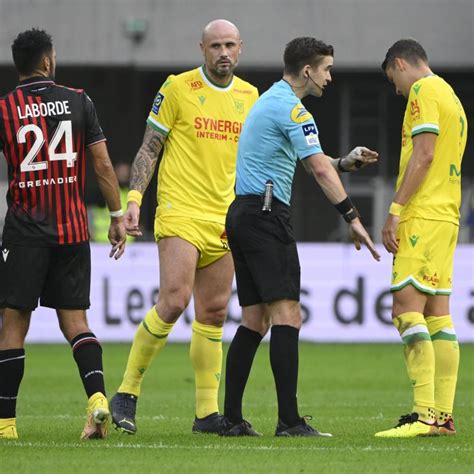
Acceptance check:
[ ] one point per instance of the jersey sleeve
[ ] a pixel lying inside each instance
(94, 133)
(165, 108)
(424, 110)
(2, 145)
(301, 130)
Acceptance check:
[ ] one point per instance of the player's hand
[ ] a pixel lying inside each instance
(117, 237)
(360, 235)
(132, 217)
(389, 234)
(358, 158)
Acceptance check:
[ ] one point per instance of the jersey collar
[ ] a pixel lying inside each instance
(36, 80)
(212, 84)
(286, 85)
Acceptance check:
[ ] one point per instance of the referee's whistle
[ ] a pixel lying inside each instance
(268, 196)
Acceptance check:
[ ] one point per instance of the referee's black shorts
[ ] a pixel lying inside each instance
(264, 250)
(60, 277)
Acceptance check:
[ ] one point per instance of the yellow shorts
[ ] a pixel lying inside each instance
(208, 237)
(425, 256)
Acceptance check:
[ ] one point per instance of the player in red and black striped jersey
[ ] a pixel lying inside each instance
(45, 130)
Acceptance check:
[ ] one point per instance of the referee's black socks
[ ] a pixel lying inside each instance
(284, 362)
(240, 356)
(88, 356)
(12, 368)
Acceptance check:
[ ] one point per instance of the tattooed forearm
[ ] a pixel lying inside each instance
(145, 162)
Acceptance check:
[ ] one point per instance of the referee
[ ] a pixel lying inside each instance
(277, 133)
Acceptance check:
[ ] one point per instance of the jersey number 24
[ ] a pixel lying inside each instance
(64, 129)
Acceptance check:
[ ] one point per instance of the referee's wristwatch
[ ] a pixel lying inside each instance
(351, 215)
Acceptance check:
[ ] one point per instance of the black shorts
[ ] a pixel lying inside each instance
(59, 276)
(263, 247)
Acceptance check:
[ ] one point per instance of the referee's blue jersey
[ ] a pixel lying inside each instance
(277, 132)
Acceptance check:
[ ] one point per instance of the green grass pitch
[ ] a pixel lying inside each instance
(351, 390)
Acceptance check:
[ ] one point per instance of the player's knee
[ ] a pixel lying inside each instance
(12, 336)
(71, 330)
(399, 306)
(10, 340)
(212, 314)
(172, 303)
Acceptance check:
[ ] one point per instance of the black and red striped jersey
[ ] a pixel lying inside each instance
(45, 129)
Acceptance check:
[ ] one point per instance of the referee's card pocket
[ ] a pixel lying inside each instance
(278, 227)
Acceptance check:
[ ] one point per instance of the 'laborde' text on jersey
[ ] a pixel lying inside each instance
(44, 109)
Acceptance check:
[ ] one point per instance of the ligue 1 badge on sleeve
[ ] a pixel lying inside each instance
(157, 103)
(311, 134)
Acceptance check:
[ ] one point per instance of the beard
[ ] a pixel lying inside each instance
(223, 71)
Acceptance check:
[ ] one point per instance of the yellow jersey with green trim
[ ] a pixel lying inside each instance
(202, 122)
(433, 107)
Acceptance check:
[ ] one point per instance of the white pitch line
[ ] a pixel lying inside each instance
(184, 419)
(257, 419)
(232, 447)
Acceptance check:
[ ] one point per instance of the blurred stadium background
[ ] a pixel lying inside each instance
(121, 51)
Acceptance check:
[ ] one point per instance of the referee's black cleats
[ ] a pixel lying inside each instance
(124, 408)
(240, 428)
(210, 424)
(300, 429)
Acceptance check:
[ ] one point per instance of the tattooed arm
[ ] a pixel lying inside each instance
(145, 162)
(142, 171)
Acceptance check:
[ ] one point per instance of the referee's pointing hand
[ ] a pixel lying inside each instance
(359, 235)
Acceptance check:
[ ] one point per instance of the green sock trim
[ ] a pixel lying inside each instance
(443, 336)
(214, 340)
(158, 336)
(417, 337)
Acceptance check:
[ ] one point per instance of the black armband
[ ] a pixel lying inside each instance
(348, 210)
(351, 215)
(344, 206)
(339, 166)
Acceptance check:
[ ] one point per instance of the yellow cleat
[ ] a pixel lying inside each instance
(409, 427)
(97, 417)
(8, 428)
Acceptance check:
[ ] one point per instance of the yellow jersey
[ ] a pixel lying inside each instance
(202, 122)
(433, 107)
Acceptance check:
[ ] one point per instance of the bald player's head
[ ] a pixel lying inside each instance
(220, 46)
(219, 27)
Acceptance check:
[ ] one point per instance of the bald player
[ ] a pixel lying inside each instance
(196, 119)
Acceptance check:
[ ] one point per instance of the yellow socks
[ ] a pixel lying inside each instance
(446, 350)
(150, 338)
(206, 357)
(420, 361)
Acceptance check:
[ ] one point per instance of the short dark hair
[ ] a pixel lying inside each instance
(409, 49)
(304, 50)
(28, 48)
